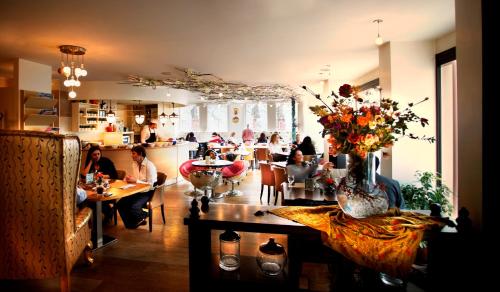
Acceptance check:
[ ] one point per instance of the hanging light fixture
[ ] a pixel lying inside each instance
(173, 116)
(72, 66)
(378, 40)
(163, 116)
(139, 118)
(110, 115)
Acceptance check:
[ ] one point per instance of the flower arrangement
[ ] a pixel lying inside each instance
(99, 178)
(366, 127)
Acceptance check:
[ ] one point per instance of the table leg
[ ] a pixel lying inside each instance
(98, 238)
(200, 251)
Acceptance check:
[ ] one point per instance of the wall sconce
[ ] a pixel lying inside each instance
(73, 68)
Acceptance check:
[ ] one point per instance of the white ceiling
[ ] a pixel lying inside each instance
(269, 41)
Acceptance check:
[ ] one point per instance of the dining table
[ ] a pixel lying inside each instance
(297, 195)
(118, 189)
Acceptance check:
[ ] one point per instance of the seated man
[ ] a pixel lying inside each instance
(144, 171)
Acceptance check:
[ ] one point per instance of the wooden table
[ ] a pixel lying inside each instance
(203, 266)
(98, 238)
(297, 195)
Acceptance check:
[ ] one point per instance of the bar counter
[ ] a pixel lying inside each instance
(166, 159)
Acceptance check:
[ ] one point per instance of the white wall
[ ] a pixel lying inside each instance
(307, 121)
(469, 81)
(412, 77)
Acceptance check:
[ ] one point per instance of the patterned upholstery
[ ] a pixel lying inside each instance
(42, 232)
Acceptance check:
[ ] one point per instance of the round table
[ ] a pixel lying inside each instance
(214, 164)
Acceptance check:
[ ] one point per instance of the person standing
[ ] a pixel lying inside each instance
(143, 171)
(148, 132)
(247, 135)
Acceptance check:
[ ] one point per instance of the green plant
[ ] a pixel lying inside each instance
(427, 190)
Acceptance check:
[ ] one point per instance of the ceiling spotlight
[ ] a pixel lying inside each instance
(378, 40)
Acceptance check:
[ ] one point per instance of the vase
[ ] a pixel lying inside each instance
(359, 195)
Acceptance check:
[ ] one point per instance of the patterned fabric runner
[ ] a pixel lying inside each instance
(387, 243)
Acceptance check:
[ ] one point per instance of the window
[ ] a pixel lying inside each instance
(256, 116)
(446, 131)
(217, 118)
(189, 120)
(284, 117)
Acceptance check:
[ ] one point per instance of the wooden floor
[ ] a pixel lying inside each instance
(144, 261)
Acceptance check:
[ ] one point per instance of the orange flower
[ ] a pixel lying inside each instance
(346, 118)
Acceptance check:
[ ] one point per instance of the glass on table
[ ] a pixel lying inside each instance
(291, 180)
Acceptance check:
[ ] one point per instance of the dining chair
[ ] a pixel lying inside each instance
(279, 178)
(156, 199)
(266, 179)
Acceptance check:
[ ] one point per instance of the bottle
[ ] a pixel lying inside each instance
(271, 258)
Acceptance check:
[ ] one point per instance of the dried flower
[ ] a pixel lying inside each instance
(366, 128)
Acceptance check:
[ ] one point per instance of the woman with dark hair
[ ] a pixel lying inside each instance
(95, 162)
(216, 138)
(262, 138)
(296, 167)
(307, 146)
(190, 137)
(143, 171)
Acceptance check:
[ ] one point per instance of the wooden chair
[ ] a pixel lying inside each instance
(153, 203)
(262, 154)
(42, 232)
(267, 179)
(279, 178)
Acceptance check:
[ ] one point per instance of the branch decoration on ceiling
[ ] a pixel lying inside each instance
(214, 88)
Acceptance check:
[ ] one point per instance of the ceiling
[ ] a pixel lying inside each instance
(259, 41)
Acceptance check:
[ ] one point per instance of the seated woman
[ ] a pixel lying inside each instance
(307, 146)
(190, 137)
(262, 138)
(297, 142)
(95, 162)
(216, 138)
(233, 140)
(296, 167)
(275, 148)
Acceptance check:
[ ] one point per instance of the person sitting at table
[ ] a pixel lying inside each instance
(95, 162)
(233, 140)
(216, 138)
(144, 172)
(296, 167)
(190, 137)
(275, 148)
(262, 138)
(297, 141)
(392, 188)
(307, 146)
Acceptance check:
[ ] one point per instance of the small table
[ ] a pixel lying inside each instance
(214, 164)
(297, 195)
(98, 238)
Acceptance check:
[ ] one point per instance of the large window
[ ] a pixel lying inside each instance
(189, 120)
(217, 118)
(284, 117)
(256, 116)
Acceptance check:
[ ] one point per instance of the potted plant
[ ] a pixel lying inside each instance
(427, 190)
